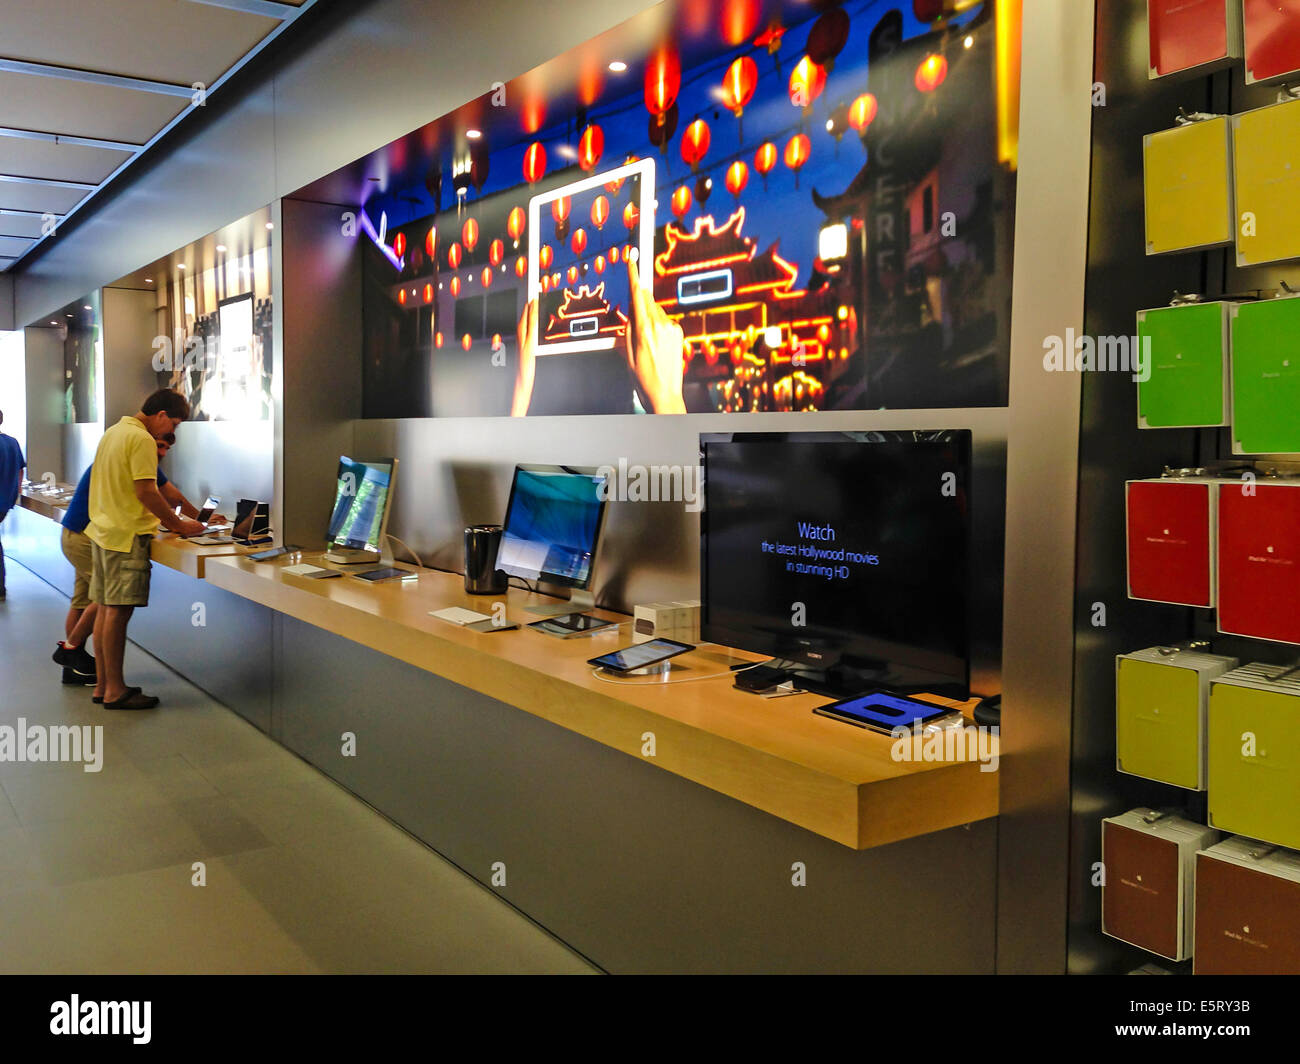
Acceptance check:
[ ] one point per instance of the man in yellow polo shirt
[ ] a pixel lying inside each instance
(126, 508)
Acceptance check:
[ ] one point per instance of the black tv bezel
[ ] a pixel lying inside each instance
(954, 684)
(554, 579)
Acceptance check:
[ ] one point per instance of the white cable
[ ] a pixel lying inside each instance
(664, 683)
(389, 535)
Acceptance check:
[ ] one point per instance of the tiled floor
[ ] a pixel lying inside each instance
(96, 869)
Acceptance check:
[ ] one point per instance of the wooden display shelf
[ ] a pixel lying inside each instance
(190, 558)
(774, 754)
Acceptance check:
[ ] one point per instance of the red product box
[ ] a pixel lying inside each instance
(1259, 561)
(1171, 525)
(1272, 39)
(1184, 34)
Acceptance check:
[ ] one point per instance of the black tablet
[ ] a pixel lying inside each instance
(641, 655)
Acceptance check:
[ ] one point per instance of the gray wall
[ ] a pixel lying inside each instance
(129, 327)
(44, 370)
(6, 302)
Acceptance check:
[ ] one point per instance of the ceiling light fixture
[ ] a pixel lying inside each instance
(473, 134)
(618, 67)
(221, 247)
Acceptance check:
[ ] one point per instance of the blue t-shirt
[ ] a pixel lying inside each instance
(78, 515)
(11, 473)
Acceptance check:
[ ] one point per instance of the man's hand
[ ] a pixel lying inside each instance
(189, 527)
(654, 350)
(152, 500)
(526, 373)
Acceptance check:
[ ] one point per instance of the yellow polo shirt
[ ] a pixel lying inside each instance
(126, 453)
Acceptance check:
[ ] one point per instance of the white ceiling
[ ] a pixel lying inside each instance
(85, 87)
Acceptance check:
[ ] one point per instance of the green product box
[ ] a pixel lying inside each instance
(1266, 377)
(1254, 761)
(1161, 697)
(1187, 347)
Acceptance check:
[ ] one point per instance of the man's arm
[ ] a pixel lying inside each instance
(152, 500)
(172, 494)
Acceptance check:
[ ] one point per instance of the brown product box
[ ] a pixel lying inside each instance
(1247, 909)
(1146, 898)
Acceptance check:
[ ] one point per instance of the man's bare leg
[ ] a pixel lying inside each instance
(110, 645)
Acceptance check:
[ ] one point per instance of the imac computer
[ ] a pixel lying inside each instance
(359, 520)
(552, 527)
(845, 556)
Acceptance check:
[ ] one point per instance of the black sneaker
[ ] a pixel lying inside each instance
(75, 658)
(73, 678)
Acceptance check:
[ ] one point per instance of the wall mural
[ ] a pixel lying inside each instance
(805, 207)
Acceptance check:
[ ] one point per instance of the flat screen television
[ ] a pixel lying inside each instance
(843, 555)
(552, 525)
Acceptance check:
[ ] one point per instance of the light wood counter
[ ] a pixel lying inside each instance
(774, 754)
(46, 505)
(190, 558)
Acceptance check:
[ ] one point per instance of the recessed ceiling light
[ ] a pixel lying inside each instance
(54, 323)
(618, 66)
(180, 265)
(270, 225)
(473, 134)
(67, 315)
(87, 306)
(968, 42)
(148, 280)
(221, 247)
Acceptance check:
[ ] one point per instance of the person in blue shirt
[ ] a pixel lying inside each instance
(78, 665)
(12, 464)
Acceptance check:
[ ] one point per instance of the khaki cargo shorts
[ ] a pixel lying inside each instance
(76, 548)
(121, 578)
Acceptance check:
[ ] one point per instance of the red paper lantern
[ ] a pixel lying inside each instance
(546, 282)
(521, 266)
(807, 81)
(613, 254)
(931, 72)
(739, 20)
(544, 256)
(535, 162)
(600, 212)
(829, 35)
(399, 245)
(496, 252)
(401, 296)
(555, 279)
(591, 146)
(631, 215)
(487, 276)
(455, 287)
(431, 242)
(770, 38)
(466, 342)
(516, 223)
(765, 158)
(663, 80)
(695, 143)
(573, 274)
(737, 178)
(738, 84)
(438, 340)
(797, 150)
(863, 111)
(469, 234)
(454, 256)
(600, 263)
(560, 209)
(681, 201)
(428, 293)
(579, 241)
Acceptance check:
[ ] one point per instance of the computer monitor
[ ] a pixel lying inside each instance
(843, 555)
(359, 520)
(552, 525)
